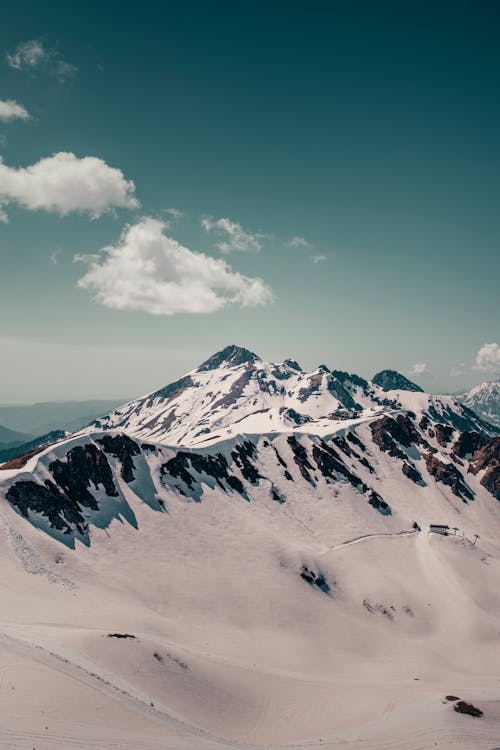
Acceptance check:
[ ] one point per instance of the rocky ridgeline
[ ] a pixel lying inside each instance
(89, 476)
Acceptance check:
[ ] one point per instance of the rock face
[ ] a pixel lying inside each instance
(449, 475)
(391, 380)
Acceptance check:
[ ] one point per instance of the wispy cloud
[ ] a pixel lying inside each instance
(63, 183)
(457, 370)
(151, 272)
(55, 256)
(175, 213)
(235, 238)
(11, 110)
(318, 258)
(488, 358)
(32, 57)
(418, 369)
(299, 242)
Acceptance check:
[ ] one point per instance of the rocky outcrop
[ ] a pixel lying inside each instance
(124, 449)
(449, 475)
(388, 432)
(412, 473)
(444, 433)
(183, 466)
(392, 380)
(231, 356)
(468, 443)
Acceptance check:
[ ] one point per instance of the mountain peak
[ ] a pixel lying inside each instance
(392, 380)
(232, 355)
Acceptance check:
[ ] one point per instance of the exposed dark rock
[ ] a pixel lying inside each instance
(120, 635)
(350, 379)
(379, 504)
(123, 448)
(462, 707)
(214, 466)
(62, 512)
(236, 390)
(293, 364)
(241, 456)
(387, 432)
(491, 481)
(331, 465)
(412, 473)
(300, 457)
(449, 475)
(424, 422)
(171, 390)
(391, 380)
(314, 579)
(84, 465)
(293, 416)
(355, 439)
(336, 388)
(342, 443)
(468, 442)
(452, 698)
(487, 455)
(444, 433)
(277, 496)
(231, 356)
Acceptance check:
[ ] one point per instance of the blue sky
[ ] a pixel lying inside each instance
(334, 169)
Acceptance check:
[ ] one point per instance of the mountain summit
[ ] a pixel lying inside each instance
(236, 392)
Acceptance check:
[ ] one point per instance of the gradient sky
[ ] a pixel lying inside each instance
(371, 130)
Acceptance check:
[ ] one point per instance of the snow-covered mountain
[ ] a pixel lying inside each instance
(243, 559)
(484, 399)
(235, 392)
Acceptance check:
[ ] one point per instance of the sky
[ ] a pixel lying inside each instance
(315, 180)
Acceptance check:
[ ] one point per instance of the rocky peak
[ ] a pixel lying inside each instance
(392, 380)
(231, 356)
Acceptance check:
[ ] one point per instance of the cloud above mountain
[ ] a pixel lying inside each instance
(32, 57)
(150, 272)
(11, 110)
(488, 358)
(63, 183)
(233, 237)
(418, 369)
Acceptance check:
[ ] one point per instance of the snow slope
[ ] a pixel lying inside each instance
(235, 392)
(484, 399)
(276, 589)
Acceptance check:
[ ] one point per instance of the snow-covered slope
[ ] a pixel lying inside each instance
(235, 392)
(273, 587)
(484, 399)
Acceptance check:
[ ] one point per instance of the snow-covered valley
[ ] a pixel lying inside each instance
(244, 560)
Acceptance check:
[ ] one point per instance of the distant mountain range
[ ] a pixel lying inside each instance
(484, 399)
(41, 418)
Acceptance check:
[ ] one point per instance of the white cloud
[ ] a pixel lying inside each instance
(153, 273)
(175, 213)
(488, 358)
(458, 370)
(63, 183)
(418, 369)
(299, 242)
(11, 110)
(318, 258)
(32, 56)
(235, 236)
